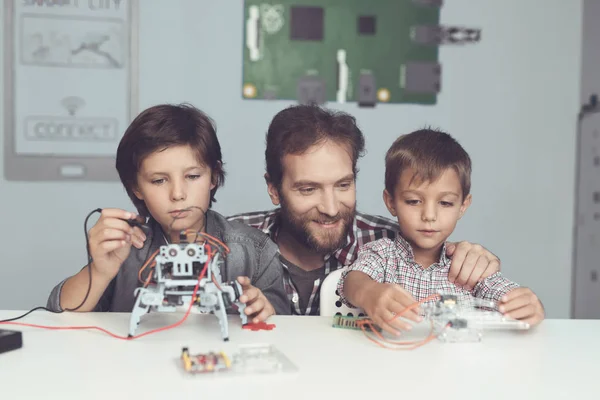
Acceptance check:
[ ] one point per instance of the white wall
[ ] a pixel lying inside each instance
(511, 100)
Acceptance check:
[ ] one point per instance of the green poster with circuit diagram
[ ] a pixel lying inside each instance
(343, 51)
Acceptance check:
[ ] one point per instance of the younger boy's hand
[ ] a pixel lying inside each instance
(383, 301)
(258, 307)
(522, 304)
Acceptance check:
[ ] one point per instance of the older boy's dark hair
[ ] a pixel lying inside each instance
(160, 127)
(297, 128)
(429, 152)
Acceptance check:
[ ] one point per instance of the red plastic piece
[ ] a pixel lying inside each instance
(261, 326)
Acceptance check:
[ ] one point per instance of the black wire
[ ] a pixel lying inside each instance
(89, 256)
(89, 267)
(29, 312)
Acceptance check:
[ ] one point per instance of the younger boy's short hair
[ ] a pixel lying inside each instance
(160, 127)
(429, 152)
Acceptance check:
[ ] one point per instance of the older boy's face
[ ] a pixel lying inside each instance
(427, 211)
(172, 180)
(317, 196)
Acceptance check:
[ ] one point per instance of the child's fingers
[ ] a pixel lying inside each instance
(266, 312)
(256, 306)
(244, 281)
(533, 320)
(522, 312)
(250, 294)
(514, 304)
(513, 294)
(396, 322)
(139, 234)
(111, 245)
(387, 327)
(117, 213)
(399, 308)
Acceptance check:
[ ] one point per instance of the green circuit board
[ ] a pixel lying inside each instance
(364, 51)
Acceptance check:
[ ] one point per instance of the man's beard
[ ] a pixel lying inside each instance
(299, 228)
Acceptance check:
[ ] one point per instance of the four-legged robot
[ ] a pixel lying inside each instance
(178, 267)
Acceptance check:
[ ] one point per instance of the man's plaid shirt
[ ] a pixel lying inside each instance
(365, 228)
(392, 261)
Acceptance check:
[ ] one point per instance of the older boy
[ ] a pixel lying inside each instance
(427, 188)
(169, 161)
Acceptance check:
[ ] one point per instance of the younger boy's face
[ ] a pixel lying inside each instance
(427, 212)
(172, 180)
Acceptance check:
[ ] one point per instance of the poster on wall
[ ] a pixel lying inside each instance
(70, 87)
(366, 52)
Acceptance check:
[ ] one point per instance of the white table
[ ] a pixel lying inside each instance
(559, 359)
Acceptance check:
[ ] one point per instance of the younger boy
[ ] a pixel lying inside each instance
(169, 161)
(427, 185)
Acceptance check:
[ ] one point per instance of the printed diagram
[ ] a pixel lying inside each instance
(72, 42)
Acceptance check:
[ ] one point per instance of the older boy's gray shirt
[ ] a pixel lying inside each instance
(252, 254)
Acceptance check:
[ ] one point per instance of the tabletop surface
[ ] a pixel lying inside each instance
(556, 360)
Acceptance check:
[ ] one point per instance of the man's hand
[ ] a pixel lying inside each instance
(383, 301)
(470, 264)
(522, 304)
(258, 306)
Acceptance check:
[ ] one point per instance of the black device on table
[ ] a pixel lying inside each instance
(10, 340)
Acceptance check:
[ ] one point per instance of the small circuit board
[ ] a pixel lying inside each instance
(205, 362)
(346, 51)
(249, 359)
(347, 322)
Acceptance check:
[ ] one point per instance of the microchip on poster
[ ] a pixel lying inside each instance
(346, 51)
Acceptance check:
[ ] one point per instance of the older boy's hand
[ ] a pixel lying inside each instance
(110, 241)
(258, 307)
(522, 304)
(470, 264)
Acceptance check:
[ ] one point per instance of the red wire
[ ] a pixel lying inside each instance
(176, 324)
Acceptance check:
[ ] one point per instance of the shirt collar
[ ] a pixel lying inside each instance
(406, 251)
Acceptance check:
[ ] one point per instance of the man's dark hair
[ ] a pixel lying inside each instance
(160, 127)
(297, 128)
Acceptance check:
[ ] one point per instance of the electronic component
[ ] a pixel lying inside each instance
(342, 321)
(186, 273)
(421, 77)
(311, 90)
(367, 90)
(466, 320)
(344, 51)
(436, 35)
(10, 340)
(202, 363)
(452, 320)
(249, 359)
(346, 322)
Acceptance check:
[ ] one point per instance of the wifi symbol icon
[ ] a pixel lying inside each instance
(72, 104)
